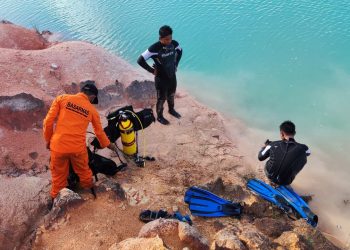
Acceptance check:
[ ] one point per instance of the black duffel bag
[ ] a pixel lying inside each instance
(146, 117)
(97, 164)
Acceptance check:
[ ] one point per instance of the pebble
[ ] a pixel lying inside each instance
(54, 66)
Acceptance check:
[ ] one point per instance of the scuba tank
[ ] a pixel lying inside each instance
(127, 134)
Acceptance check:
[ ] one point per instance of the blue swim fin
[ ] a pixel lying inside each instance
(206, 204)
(268, 193)
(285, 198)
(298, 204)
(183, 218)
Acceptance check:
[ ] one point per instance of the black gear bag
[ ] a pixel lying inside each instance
(97, 164)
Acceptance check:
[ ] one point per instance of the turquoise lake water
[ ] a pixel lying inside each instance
(261, 61)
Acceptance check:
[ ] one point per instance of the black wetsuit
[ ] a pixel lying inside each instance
(166, 59)
(287, 158)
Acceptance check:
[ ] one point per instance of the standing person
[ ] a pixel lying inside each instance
(67, 140)
(166, 54)
(287, 157)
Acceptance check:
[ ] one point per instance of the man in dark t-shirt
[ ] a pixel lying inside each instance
(166, 54)
(287, 157)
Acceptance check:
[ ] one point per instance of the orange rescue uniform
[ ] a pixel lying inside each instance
(68, 139)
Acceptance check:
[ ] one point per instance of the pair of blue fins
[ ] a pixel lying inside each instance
(206, 204)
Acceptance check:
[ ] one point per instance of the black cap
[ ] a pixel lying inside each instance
(90, 87)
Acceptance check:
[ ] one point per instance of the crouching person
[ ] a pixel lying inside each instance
(286, 157)
(66, 141)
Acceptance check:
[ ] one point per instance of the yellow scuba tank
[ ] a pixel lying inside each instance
(128, 136)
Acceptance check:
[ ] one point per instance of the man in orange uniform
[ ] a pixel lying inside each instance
(67, 141)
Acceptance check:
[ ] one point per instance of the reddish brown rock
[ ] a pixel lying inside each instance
(245, 233)
(226, 239)
(111, 95)
(16, 37)
(23, 203)
(272, 227)
(175, 234)
(312, 237)
(155, 243)
(15, 150)
(291, 240)
(65, 200)
(262, 209)
(141, 93)
(21, 112)
(191, 237)
(32, 72)
(228, 191)
(253, 239)
(72, 88)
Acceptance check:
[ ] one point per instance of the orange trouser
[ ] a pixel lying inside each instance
(59, 166)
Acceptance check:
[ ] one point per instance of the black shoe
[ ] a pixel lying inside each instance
(163, 121)
(174, 113)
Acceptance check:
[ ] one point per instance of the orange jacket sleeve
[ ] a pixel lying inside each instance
(100, 134)
(50, 119)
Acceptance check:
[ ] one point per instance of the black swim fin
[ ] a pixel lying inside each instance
(206, 204)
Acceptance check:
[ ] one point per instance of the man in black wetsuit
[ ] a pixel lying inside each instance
(287, 157)
(166, 54)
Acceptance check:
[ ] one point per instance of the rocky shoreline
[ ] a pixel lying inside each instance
(196, 150)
